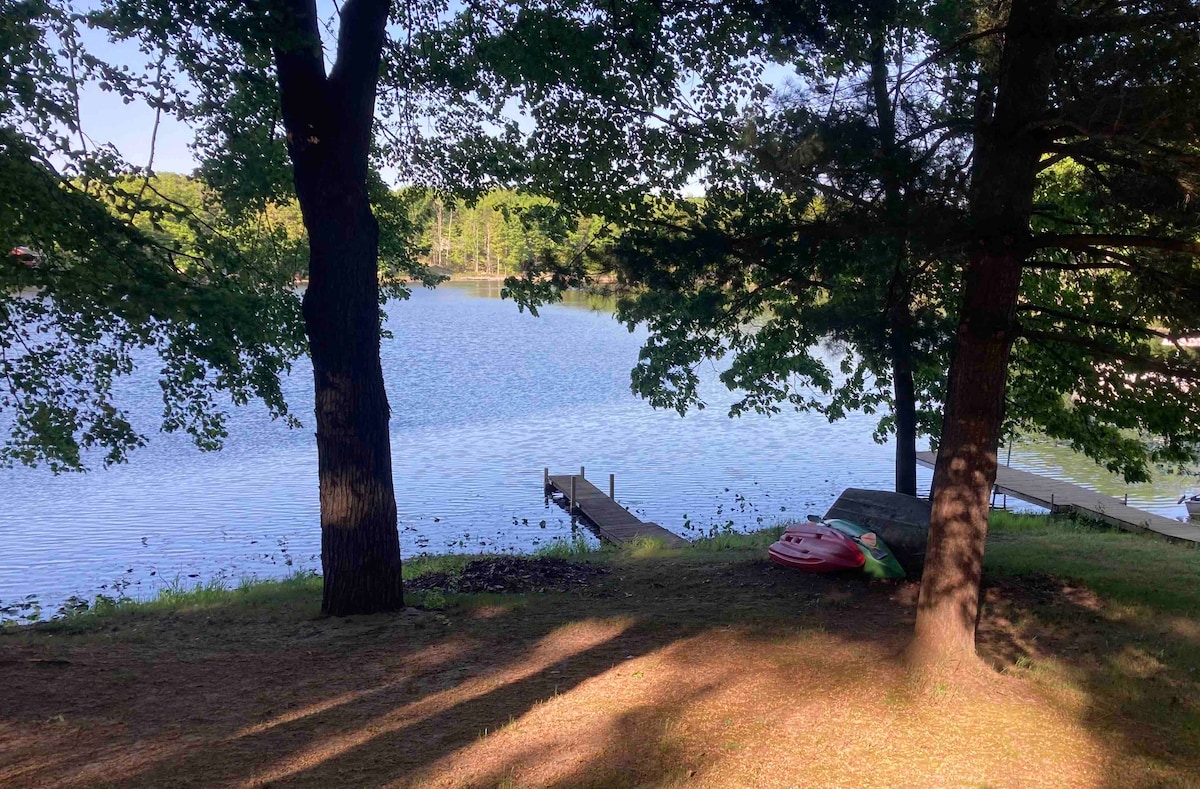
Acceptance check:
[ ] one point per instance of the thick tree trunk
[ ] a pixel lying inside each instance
(905, 398)
(966, 464)
(328, 121)
(1007, 152)
(360, 543)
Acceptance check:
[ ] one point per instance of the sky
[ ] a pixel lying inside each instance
(107, 119)
(129, 127)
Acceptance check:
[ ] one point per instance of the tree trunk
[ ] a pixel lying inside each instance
(360, 542)
(1007, 151)
(904, 395)
(899, 307)
(328, 121)
(966, 465)
(437, 246)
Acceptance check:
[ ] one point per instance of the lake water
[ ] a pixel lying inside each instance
(483, 397)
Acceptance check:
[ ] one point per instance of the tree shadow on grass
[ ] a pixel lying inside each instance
(541, 690)
(1133, 674)
(222, 696)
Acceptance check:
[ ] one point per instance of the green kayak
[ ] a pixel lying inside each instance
(880, 563)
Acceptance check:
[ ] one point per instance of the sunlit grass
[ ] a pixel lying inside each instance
(561, 548)
(734, 541)
(1131, 569)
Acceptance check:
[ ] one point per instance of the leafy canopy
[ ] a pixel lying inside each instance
(123, 274)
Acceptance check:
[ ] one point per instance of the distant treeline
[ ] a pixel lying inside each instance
(501, 233)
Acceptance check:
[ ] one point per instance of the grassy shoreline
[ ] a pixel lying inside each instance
(1111, 561)
(706, 665)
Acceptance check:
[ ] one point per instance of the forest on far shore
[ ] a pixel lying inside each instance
(497, 235)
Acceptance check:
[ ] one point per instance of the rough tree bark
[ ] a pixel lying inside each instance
(328, 120)
(1007, 152)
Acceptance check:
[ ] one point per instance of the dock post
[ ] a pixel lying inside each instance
(572, 495)
(581, 474)
(1126, 499)
(546, 478)
(612, 485)
(1052, 502)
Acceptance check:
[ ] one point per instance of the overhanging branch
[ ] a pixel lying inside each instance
(1137, 363)
(1089, 242)
(1099, 324)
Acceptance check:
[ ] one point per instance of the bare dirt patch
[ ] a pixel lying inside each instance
(663, 672)
(512, 574)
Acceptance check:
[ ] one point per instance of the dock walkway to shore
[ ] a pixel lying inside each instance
(612, 521)
(1058, 496)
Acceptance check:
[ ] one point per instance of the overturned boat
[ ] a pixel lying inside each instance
(835, 545)
(883, 534)
(817, 548)
(901, 521)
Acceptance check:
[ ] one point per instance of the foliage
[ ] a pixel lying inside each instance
(1102, 366)
(825, 221)
(109, 292)
(844, 199)
(501, 233)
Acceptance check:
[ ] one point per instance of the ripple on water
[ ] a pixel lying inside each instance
(483, 397)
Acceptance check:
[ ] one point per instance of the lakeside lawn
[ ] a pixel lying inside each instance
(702, 666)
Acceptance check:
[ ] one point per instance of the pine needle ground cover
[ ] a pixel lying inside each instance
(648, 667)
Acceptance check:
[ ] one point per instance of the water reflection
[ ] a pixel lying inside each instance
(1160, 495)
(483, 397)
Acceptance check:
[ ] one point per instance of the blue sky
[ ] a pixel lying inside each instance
(107, 119)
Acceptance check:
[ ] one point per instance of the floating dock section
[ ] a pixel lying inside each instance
(611, 521)
(1058, 496)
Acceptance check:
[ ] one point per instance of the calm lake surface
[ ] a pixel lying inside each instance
(483, 397)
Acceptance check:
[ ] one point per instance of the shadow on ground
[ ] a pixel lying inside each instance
(667, 671)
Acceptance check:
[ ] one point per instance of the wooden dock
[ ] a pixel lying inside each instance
(1058, 496)
(612, 521)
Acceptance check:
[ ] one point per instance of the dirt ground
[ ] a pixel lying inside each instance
(660, 672)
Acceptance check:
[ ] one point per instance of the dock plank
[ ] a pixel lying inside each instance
(614, 523)
(1059, 496)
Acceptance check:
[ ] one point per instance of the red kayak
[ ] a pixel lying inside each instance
(816, 548)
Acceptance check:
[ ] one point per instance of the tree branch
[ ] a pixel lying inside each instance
(1099, 324)
(1096, 25)
(301, 70)
(1145, 364)
(355, 74)
(1054, 265)
(1090, 242)
(949, 48)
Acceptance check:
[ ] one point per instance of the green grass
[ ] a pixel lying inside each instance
(1129, 569)
(179, 597)
(438, 563)
(1133, 569)
(734, 541)
(561, 548)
